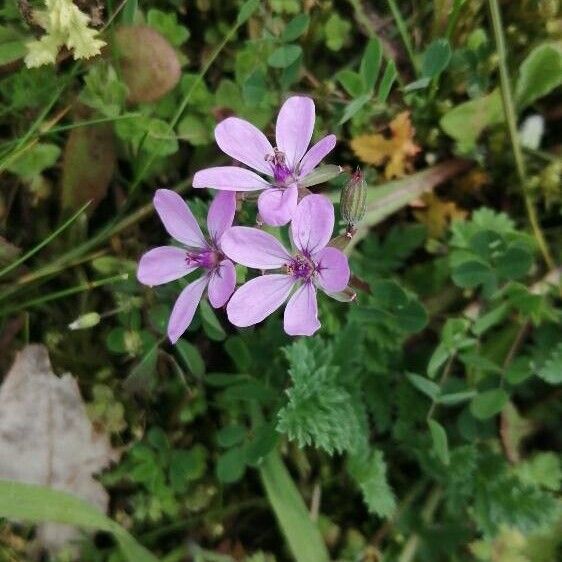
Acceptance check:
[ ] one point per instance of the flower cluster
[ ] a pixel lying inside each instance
(292, 275)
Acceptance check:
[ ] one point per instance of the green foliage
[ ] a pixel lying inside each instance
(320, 410)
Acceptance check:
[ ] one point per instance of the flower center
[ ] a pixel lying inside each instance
(207, 258)
(301, 267)
(281, 172)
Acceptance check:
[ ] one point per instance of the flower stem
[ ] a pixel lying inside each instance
(511, 119)
(65, 293)
(403, 30)
(42, 244)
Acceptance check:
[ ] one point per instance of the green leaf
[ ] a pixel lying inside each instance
(387, 81)
(295, 28)
(519, 370)
(337, 32)
(371, 64)
(302, 535)
(321, 174)
(190, 357)
(437, 360)
(284, 56)
(429, 388)
(467, 121)
(490, 319)
(254, 88)
(472, 273)
(488, 403)
(514, 263)
(351, 82)
(370, 473)
(11, 51)
(551, 371)
(187, 466)
(36, 504)
(246, 11)
(352, 108)
(540, 73)
(231, 465)
(264, 441)
(195, 130)
(167, 24)
(456, 397)
(129, 12)
(32, 162)
(436, 58)
(211, 324)
(439, 438)
(231, 435)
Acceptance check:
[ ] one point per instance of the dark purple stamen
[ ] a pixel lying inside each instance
(207, 258)
(301, 267)
(281, 172)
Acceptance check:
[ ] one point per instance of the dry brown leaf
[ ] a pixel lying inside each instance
(472, 182)
(394, 151)
(46, 437)
(437, 214)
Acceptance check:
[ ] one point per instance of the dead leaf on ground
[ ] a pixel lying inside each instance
(395, 151)
(46, 437)
(88, 164)
(436, 214)
(149, 64)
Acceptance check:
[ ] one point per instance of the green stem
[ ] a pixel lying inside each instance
(453, 18)
(403, 30)
(302, 535)
(47, 240)
(65, 293)
(511, 119)
(177, 116)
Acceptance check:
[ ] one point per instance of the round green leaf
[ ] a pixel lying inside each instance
(488, 403)
(284, 56)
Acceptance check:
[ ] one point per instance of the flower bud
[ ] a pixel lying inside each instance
(353, 200)
(88, 320)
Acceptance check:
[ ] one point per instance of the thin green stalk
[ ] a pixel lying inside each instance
(65, 293)
(150, 158)
(47, 240)
(511, 119)
(86, 123)
(403, 30)
(453, 18)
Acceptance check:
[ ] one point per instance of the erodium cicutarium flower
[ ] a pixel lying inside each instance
(168, 263)
(311, 265)
(285, 165)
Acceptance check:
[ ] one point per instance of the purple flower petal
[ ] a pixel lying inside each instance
(293, 130)
(222, 283)
(244, 142)
(221, 213)
(316, 154)
(178, 220)
(333, 270)
(162, 265)
(258, 298)
(277, 205)
(313, 223)
(185, 307)
(254, 248)
(229, 178)
(301, 312)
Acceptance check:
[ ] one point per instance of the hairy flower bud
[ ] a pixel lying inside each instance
(88, 320)
(353, 200)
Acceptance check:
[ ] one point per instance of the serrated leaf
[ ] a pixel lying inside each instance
(551, 371)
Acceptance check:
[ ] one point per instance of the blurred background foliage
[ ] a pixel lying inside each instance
(422, 424)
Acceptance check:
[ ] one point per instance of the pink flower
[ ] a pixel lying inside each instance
(168, 263)
(285, 165)
(313, 264)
